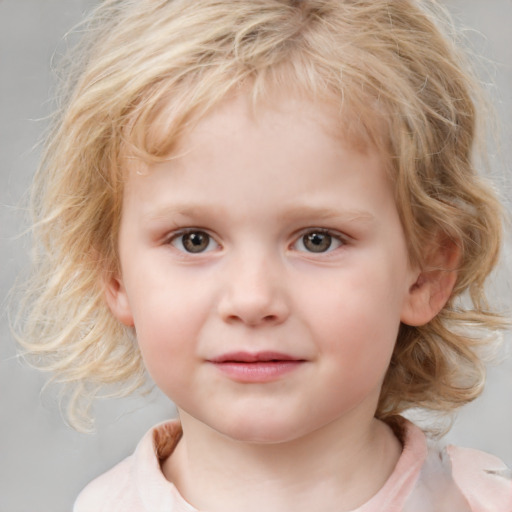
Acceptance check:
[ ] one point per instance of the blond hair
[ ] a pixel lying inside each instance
(148, 69)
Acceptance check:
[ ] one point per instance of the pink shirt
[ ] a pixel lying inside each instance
(425, 479)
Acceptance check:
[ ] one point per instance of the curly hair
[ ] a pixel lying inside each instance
(146, 71)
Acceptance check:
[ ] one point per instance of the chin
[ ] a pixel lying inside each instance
(260, 431)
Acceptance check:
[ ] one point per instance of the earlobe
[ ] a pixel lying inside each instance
(433, 285)
(117, 300)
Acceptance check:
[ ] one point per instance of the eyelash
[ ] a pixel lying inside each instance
(178, 239)
(333, 238)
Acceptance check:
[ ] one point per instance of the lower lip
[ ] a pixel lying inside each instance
(260, 371)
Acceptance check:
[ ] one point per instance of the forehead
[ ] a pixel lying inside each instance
(172, 132)
(240, 120)
(291, 152)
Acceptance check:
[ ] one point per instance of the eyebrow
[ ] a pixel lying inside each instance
(184, 210)
(322, 213)
(293, 213)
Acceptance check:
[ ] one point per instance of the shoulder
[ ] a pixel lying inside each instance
(483, 479)
(454, 479)
(136, 484)
(109, 491)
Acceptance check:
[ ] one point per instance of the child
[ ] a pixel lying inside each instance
(271, 206)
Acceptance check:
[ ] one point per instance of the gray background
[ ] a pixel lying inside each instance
(43, 463)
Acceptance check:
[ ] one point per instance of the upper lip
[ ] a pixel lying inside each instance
(253, 357)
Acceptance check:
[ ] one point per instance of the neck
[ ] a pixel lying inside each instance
(336, 468)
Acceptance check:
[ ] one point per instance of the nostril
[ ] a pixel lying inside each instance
(253, 320)
(253, 304)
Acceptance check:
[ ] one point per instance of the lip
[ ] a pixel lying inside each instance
(256, 367)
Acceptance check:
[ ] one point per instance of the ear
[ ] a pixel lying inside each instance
(433, 284)
(117, 299)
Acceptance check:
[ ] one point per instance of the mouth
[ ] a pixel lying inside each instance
(249, 357)
(256, 367)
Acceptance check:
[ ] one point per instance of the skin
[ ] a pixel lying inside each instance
(253, 187)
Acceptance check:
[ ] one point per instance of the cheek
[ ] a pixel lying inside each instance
(367, 300)
(358, 318)
(165, 354)
(168, 316)
(156, 317)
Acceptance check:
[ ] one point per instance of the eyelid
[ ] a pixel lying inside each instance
(176, 235)
(334, 234)
(342, 239)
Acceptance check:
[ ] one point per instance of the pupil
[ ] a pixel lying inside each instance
(195, 242)
(317, 242)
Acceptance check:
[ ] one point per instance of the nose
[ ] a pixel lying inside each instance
(254, 293)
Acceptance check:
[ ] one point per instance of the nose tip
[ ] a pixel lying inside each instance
(251, 310)
(254, 298)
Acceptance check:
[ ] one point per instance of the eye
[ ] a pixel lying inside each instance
(318, 241)
(194, 242)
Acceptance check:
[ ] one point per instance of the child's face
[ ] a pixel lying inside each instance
(266, 272)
